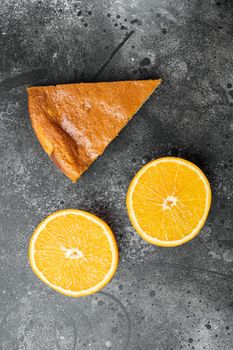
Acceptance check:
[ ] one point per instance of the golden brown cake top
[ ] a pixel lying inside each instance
(74, 123)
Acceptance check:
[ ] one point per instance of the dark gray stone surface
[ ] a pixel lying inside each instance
(160, 299)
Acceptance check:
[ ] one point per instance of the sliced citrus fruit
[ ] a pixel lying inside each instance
(168, 201)
(73, 252)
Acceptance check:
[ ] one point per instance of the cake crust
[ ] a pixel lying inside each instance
(74, 123)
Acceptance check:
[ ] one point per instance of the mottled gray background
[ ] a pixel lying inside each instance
(160, 299)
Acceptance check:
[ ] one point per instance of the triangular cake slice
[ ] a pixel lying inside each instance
(74, 123)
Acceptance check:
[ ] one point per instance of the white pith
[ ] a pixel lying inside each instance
(73, 253)
(169, 202)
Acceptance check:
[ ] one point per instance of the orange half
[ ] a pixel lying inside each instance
(168, 201)
(73, 252)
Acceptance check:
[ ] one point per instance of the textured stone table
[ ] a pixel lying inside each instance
(160, 299)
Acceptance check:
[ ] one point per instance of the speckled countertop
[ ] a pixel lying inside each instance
(160, 299)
